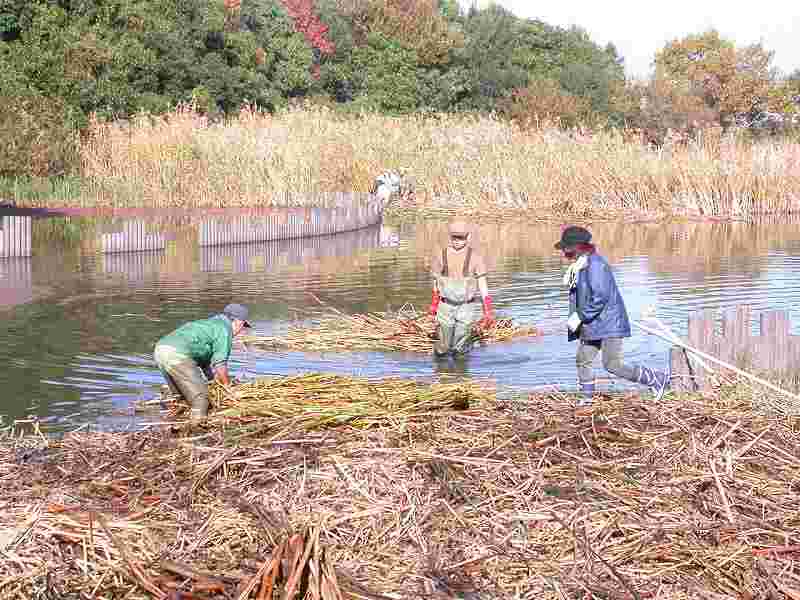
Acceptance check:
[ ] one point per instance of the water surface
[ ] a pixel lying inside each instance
(80, 325)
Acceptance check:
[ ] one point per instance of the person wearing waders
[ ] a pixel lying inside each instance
(197, 352)
(459, 292)
(598, 318)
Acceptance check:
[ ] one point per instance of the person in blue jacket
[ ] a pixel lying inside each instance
(598, 318)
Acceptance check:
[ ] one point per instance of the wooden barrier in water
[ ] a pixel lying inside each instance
(132, 266)
(15, 236)
(275, 254)
(339, 213)
(16, 283)
(772, 352)
(131, 236)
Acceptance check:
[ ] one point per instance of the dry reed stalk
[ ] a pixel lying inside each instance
(479, 166)
(520, 497)
(380, 332)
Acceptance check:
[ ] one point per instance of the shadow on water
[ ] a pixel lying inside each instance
(81, 321)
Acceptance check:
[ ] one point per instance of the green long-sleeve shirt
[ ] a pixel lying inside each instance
(208, 342)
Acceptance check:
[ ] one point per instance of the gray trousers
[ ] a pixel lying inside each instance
(612, 360)
(185, 378)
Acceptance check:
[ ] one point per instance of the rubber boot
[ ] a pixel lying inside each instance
(442, 356)
(585, 392)
(200, 405)
(657, 381)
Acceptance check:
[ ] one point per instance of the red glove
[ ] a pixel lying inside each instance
(488, 311)
(435, 299)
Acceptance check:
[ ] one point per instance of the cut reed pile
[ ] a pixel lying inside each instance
(316, 400)
(383, 332)
(694, 497)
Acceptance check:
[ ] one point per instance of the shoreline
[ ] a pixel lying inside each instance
(402, 214)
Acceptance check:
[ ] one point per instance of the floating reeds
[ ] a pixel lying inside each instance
(381, 332)
(692, 497)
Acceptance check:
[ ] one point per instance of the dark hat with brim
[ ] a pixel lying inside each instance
(572, 236)
(237, 311)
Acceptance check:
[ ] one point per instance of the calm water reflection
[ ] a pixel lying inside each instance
(80, 324)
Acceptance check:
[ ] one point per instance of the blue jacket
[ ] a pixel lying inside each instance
(599, 304)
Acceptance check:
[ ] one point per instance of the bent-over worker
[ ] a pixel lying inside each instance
(597, 316)
(459, 291)
(198, 352)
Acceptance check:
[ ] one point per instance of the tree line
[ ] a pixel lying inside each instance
(63, 62)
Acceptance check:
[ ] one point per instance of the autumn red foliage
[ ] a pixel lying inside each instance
(307, 23)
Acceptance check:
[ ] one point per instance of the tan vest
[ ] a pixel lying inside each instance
(455, 281)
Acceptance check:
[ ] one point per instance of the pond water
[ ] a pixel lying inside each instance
(79, 325)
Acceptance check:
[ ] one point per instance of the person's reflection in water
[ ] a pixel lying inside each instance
(483, 361)
(452, 365)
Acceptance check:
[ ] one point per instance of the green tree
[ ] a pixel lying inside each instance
(385, 75)
(441, 89)
(570, 57)
(294, 57)
(340, 29)
(39, 136)
(488, 55)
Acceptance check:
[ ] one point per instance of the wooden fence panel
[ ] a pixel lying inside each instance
(773, 351)
(130, 236)
(15, 237)
(338, 213)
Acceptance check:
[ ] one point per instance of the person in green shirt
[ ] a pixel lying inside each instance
(197, 352)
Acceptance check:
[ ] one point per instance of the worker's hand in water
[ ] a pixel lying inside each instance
(574, 322)
(435, 299)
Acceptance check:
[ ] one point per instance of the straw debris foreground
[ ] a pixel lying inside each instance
(380, 332)
(695, 497)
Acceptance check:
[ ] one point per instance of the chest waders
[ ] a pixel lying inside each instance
(459, 310)
(185, 378)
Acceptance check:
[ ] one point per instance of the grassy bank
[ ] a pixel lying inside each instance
(400, 490)
(480, 165)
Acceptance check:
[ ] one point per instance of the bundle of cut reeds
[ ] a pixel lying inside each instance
(311, 401)
(380, 332)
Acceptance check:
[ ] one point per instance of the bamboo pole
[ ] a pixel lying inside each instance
(675, 339)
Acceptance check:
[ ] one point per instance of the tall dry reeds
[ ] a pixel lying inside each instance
(482, 165)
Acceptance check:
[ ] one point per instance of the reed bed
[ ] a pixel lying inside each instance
(525, 497)
(380, 331)
(479, 165)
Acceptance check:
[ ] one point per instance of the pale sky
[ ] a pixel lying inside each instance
(638, 29)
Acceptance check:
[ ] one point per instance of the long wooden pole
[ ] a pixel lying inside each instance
(719, 362)
(675, 338)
